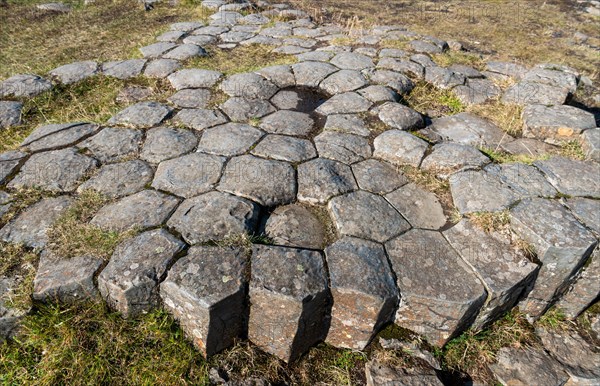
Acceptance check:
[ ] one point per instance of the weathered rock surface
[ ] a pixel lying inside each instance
(200, 119)
(363, 290)
(124, 69)
(295, 226)
(562, 245)
(142, 210)
(345, 103)
(229, 139)
(206, 292)
(55, 136)
(214, 216)
(343, 81)
(191, 98)
(31, 226)
(342, 147)
(352, 61)
(587, 211)
(161, 68)
(311, 74)
(378, 177)
(399, 148)
(120, 179)
(527, 366)
(56, 171)
(163, 143)
(249, 85)
(267, 182)
(584, 290)
(142, 114)
(438, 309)
(74, 72)
(67, 281)
(130, 281)
(366, 215)
(113, 144)
(288, 122)
(421, 208)
(525, 180)
(10, 114)
(185, 52)
(528, 146)
(320, 179)
(9, 163)
(284, 148)
(590, 143)
(505, 273)
(189, 175)
(451, 157)
(470, 129)
(194, 78)
(533, 93)
(556, 123)
(480, 191)
(290, 300)
(559, 171)
(380, 374)
(24, 86)
(400, 117)
(244, 109)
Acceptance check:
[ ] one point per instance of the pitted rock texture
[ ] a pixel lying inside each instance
(527, 366)
(189, 175)
(119, 179)
(295, 226)
(290, 300)
(129, 283)
(206, 292)
(321, 179)
(113, 144)
(559, 171)
(50, 137)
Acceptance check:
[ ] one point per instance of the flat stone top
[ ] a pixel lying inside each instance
(292, 272)
(209, 274)
(561, 173)
(427, 266)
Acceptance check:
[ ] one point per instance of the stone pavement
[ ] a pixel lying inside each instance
(190, 177)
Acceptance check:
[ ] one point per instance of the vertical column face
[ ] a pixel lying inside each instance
(290, 300)
(363, 289)
(206, 292)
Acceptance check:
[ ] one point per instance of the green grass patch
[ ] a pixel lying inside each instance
(432, 101)
(450, 58)
(240, 59)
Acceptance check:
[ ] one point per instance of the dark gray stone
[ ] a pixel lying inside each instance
(288, 122)
(321, 179)
(406, 67)
(424, 47)
(267, 182)
(378, 93)
(124, 69)
(443, 78)
(480, 191)
(164, 143)
(194, 78)
(363, 289)
(9, 163)
(56, 171)
(130, 281)
(525, 180)
(206, 292)
(311, 74)
(10, 114)
(243, 109)
(146, 209)
(186, 26)
(113, 144)
(366, 215)
(55, 136)
(451, 157)
(74, 72)
(171, 36)
(229, 139)
(396, 81)
(345, 103)
(441, 296)
(555, 124)
(189, 175)
(400, 117)
(343, 81)
(185, 52)
(142, 114)
(510, 69)
(379, 373)
(284, 148)
(399, 148)
(527, 366)
(556, 78)
(560, 172)
(562, 246)
(528, 147)
(421, 208)
(471, 130)
(378, 177)
(295, 226)
(24, 86)
(352, 61)
(200, 119)
(214, 216)
(290, 300)
(590, 143)
(281, 75)
(120, 179)
(347, 123)
(161, 68)
(191, 98)
(587, 211)
(342, 147)
(532, 93)
(584, 290)
(200, 40)
(477, 91)
(248, 85)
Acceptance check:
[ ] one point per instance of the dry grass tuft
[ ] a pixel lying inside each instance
(505, 116)
(572, 149)
(241, 59)
(449, 58)
(432, 101)
(491, 221)
(20, 264)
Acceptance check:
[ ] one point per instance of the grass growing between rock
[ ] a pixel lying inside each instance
(491, 221)
(21, 199)
(432, 101)
(72, 235)
(506, 116)
(450, 58)
(241, 59)
(19, 263)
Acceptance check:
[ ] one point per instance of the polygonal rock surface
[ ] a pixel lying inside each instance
(587, 211)
(157, 49)
(477, 91)
(161, 68)
(525, 180)
(343, 81)
(479, 191)
(425, 47)
(142, 114)
(54, 136)
(453, 157)
(321, 179)
(284, 148)
(528, 146)
(9, 162)
(288, 122)
(200, 119)
(120, 179)
(229, 139)
(585, 289)
(24, 86)
(57, 171)
(440, 294)
(380, 373)
(399, 148)
(129, 283)
(75, 72)
(363, 289)
(189, 175)
(194, 78)
(527, 366)
(505, 273)
(352, 61)
(590, 143)
(347, 123)
(243, 109)
(145, 209)
(345, 103)
(421, 208)
(124, 69)
(443, 78)
(10, 113)
(191, 98)
(5, 203)
(311, 74)
(295, 226)
(377, 177)
(562, 246)
(214, 216)
(206, 292)
(249, 85)
(366, 215)
(342, 147)
(113, 144)
(185, 52)
(559, 171)
(469, 129)
(31, 226)
(67, 281)
(289, 299)
(400, 117)
(560, 79)
(556, 123)
(511, 69)
(532, 93)
(281, 75)
(186, 26)
(267, 182)
(163, 143)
